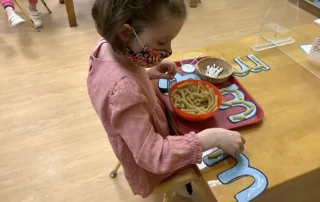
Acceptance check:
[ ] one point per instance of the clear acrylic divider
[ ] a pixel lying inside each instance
(277, 26)
(287, 23)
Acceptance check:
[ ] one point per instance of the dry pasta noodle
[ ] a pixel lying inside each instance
(190, 89)
(190, 102)
(196, 95)
(202, 88)
(198, 89)
(229, 90)
(182, 85)
(212, 108)
(239, 94)
(242, 61)
(237, 102)
(186, 104)
(259, 67)
(239, 117)
(175, 100)
(194, 98)
(255, 59)
(211, 94)
(174, 92)
(244, 71)
(203, 99)
(215, 154)
(182, 94)
(205, 93)
(194, 88)
(210, 105)
(247, 70)
(237, 72)
(247, 103)
(248, 111)
(227, 104)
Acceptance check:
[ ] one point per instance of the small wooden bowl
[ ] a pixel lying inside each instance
(223, 76)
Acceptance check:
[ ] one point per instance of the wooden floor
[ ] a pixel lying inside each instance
(52, 145)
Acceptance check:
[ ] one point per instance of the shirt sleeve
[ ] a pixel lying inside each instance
(131, 120)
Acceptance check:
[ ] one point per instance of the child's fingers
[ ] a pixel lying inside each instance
(243, 140)
(172, 69)
(238, 151)
(241, 148)
(160, 75)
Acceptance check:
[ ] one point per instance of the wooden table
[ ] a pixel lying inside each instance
(285, 145)
(303, 35)
(308, 6)
(70, 11)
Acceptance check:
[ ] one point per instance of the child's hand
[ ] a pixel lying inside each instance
(159, 71)
(230, 142)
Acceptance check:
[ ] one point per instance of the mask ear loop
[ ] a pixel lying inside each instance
(134, 32)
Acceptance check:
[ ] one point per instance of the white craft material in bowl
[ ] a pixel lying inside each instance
(186, 65)
(188, 68)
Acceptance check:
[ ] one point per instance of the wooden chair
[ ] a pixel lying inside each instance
(190, 175)
(28, 16)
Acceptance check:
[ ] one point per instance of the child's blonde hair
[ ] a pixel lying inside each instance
(110, 15)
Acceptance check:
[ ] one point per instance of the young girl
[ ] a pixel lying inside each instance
(137, 34)
(14, 19)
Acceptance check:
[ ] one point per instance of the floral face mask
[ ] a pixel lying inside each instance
(148, 57)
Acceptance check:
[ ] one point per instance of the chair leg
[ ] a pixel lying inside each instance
(113, 173)
(61, 1)
(71, 13)
(27, 15)
(167, 197)
(193, 3)
(45, 5)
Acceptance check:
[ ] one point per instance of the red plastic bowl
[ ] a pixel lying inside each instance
(196, 117)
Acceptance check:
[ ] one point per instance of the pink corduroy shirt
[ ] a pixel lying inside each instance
(133, 117)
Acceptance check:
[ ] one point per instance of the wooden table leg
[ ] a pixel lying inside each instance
(71, 13)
